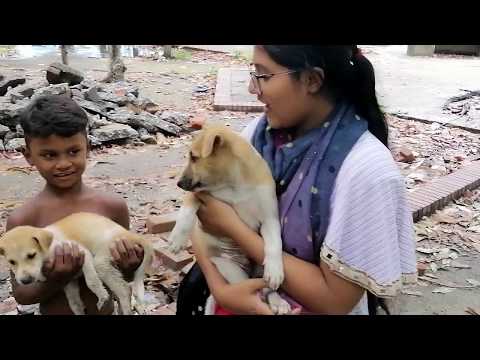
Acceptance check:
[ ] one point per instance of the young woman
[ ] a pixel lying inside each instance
(346, 226)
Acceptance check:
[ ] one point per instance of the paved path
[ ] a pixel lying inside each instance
(412, 86)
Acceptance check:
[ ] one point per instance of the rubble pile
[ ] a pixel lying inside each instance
(117, 112)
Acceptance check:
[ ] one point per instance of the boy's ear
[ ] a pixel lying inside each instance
(27, 154)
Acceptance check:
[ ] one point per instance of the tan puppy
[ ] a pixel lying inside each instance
(27, 247)
(227, 166)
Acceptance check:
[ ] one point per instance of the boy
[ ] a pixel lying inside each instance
(55, 130)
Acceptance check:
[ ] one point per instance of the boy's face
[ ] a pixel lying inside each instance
(60, 160)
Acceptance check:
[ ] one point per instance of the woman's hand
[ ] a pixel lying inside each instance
(217, 218)
(243, 298)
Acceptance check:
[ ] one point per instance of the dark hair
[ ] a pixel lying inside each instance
(348, 74)
(53, 115)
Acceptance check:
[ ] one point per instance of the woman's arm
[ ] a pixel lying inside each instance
(315, 287)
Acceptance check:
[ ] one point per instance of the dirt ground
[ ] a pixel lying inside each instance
(146, 176)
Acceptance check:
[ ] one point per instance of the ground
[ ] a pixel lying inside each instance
(145, 176)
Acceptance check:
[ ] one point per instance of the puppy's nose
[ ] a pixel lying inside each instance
(185, 183)
(27, 280)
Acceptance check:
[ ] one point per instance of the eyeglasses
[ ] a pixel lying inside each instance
(256, 78)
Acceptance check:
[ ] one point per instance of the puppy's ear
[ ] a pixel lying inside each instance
(212, 141)
(2, 251)
(44, 239)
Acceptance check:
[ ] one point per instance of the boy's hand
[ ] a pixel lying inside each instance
(127, 257)
(66, 262)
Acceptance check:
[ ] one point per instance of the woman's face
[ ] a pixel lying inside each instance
(286, 98)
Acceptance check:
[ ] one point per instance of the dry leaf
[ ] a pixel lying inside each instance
(476, 246)
(412, 292)
(446, 219)
(472, 311)
(458, 265)
(475, 228)
(473, 282)
(442, 290)
(427, 250)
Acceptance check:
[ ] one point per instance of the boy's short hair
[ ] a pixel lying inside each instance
(53, 115)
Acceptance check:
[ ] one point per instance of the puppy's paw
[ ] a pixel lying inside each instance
(277, 304)
(273, 272)
(177, 241)
(140, 308)
(102, 300)
(176, 246)
(78, 310)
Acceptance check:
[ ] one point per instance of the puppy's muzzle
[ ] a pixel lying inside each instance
(187, 184)
(27, 280)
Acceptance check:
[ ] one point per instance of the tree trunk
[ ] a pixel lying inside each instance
(117, 67)
(167, 51)
(64, 51)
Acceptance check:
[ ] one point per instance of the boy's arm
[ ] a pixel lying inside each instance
(40, 292)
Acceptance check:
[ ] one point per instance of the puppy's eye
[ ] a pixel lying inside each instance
(12, 262)
(31, 256)
(193, 157)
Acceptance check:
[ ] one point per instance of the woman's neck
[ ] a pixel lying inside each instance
(321, 110)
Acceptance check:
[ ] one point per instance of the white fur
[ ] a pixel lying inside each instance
(99, 271)
(257, 207)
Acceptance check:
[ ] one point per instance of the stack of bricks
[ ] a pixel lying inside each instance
(438, 193)
(163, 225)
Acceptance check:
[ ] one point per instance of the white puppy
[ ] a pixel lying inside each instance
(225, 165)
(27, 247)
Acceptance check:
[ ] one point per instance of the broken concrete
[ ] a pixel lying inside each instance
(16, 144)
(95, 122)
(175, 117)
(10, 135)
(155, 121)
(12, 82)
(146, 137)
(114, 132)
(58, 89)
(24, 91)
(58, 73)
(3, 130)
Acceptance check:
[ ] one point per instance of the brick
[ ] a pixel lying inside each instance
(464, 176)
(414, 205)
(424, 198)
(172, 306)
(197, 122)
(173, 261)
(416, 216)
(8, 306)
(187, 267)
(419, 200)
(164, 310)
(406, 155)
(438, 191)
(421, 268)
(162, 223)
